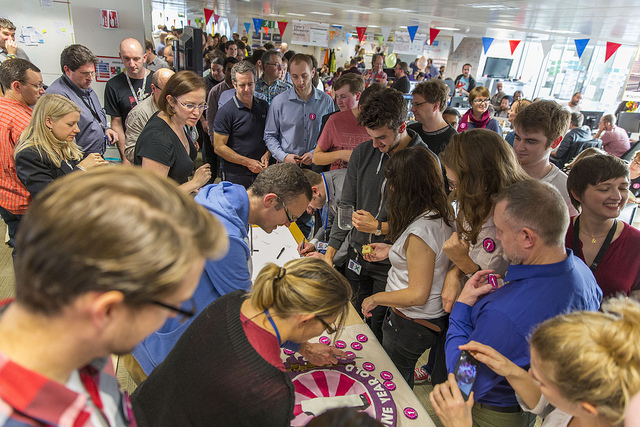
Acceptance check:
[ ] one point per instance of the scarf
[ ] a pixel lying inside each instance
(468, 117)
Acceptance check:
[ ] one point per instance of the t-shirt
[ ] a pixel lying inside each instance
(437, 140)
(342, 133)
(118, 97)
(402, 84)
(245, 129)
(264, 342)
(619, 270)
(434, 232)
(558, 179)
(615, 141)
(634, 186)
(160, 143)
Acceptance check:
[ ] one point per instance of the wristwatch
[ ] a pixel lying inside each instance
(378, 231)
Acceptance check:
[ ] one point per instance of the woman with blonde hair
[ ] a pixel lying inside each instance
(479, 116)
(516, 107)
(226, 369)
(47, 148)
(585, 368)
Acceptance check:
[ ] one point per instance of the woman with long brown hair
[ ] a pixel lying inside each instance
(419, 224)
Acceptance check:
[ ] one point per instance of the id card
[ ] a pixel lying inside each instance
(322, 247)
(354, 266)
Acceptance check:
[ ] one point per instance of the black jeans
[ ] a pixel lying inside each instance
(12, 220)
(405, 341)
(371, 280)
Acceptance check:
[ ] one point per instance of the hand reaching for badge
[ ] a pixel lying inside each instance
(321, 354)
(478, 286)
(456, 248)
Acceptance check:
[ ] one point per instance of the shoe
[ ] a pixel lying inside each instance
(420, 375)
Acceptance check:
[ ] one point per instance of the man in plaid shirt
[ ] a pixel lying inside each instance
(104, 258)
(22, 83)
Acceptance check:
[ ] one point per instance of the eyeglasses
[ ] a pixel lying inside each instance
(39, 87)
(88, 74)
(183, 315)
(331, 329)
(417, 104)
(275, 64)
(194, 106)
(286, 211)
(480, 101)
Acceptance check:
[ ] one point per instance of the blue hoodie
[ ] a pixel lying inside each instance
(230, 204)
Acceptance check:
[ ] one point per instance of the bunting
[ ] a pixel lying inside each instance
(331, 34)
(266, 30)
(215, 18)
(361, 31)
(580, 45)
(385, 32)
(412, 32)
(546, 47)
(247, 27)
(486, 43)
(457, 39)
(611, 49)
(257, 23)
(433, 33)
(282, 25)
(513, 44)
(207, 15)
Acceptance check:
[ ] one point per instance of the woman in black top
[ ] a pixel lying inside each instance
(634, 185)
(165, 146)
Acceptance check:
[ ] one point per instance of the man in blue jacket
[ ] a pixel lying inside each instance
(543, 280)
(279, 195)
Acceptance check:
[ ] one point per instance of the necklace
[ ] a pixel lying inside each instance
(593, 238)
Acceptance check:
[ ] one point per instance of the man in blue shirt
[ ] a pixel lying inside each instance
(295, 116)
(464, 82)
(270, 84)
(79, 67)
(543, 280)
(239, 129)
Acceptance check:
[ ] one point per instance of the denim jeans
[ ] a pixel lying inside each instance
(405, 341)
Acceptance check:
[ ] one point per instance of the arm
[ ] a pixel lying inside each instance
(347, 198)
(272, 134)
(135, 124)
(222, 149)
(33, 171)
(364, 222)
(449, 405)
(457, 250)
(421, 261)
(199, 178)
(321, 157)
(116, 125)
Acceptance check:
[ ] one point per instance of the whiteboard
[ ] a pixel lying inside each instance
(53, 27)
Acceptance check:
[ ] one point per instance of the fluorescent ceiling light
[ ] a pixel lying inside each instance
(373, 26)
(565, 32)
(447, 29)
(274, 14)
(295, 14)
(322, 13)
(402, 26)
(396, 9)
(491, 6)
(358, 11)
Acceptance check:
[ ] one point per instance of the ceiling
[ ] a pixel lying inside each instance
(615, 20)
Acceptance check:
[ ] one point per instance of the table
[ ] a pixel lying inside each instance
(371, 382)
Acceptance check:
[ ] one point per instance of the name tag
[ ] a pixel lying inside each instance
(322, 246)
(354, 266)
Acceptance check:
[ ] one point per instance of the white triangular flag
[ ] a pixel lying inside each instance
(385, 33)
(546, 47)
(457, 38)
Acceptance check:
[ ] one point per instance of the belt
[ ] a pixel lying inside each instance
(502, 409)
(422, 322)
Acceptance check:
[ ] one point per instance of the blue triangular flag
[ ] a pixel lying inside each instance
(580, 45)
(247, 26)
(337, 26)
(412, 31)
(257, 22)
(486, 43)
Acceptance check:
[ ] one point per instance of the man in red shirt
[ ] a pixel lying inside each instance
(22, 83)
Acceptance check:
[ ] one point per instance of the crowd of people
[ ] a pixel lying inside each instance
(460, 240)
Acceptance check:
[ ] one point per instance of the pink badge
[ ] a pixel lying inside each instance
(340, 344)
(491, 279)
(356, 346)
(462, 125)
(288, 352)
(324, 340)
(350, 354)
(389, 385)
(368, 366)
(362, 338)
(312, 116)
(386, 375)
(489, 245)
(636, 185)
(410, 413)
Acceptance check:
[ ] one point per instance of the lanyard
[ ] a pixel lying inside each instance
(91, 107)
(275, 328)
(140, 95)
(603, 248)
(325, 221)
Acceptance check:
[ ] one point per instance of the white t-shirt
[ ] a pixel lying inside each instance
(552, 417)
(434, 232)
(487, 252)
(558, 179)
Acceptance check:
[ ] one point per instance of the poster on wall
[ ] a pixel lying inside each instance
(404, 45)
(438, 51)
(632, 88)
(310, 33)
(108, 66)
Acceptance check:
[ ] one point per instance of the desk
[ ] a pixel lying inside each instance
(371, 382)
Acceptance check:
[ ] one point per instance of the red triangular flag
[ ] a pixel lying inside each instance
(611, 49)
(433, 33)
(189, 21)
(266, 30)
(361, 31)
(207, 15)
(513, 44)
(282, 25)
(215, 18)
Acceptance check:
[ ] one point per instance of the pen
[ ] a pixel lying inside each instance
(281, 251)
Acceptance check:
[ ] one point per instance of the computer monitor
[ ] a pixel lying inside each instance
(460, 102)
(187, 51)
(497, 67)
(592, 118)
(629, 122)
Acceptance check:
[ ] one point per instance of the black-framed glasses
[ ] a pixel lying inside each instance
(331, 329)
(183, 315)
(481, 101)
(417, 104)
(286, 211)
(275, 64)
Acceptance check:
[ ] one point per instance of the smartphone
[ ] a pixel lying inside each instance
(465, 373)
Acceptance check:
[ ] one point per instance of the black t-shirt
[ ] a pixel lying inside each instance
(634, 186)
(118, 98)
(159, 142)
(436, 141)
(402, 84)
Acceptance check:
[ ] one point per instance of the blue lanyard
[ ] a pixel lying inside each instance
(325, 221)
(275, 328)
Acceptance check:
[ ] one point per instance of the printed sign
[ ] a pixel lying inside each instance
(109, 19)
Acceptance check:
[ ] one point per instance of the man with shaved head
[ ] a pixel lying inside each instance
(126, 90)
(141, 113)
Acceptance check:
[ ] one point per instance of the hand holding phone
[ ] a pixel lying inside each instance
(465, 373)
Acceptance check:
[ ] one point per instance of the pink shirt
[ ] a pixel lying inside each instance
(615, 141)
(342, 133)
